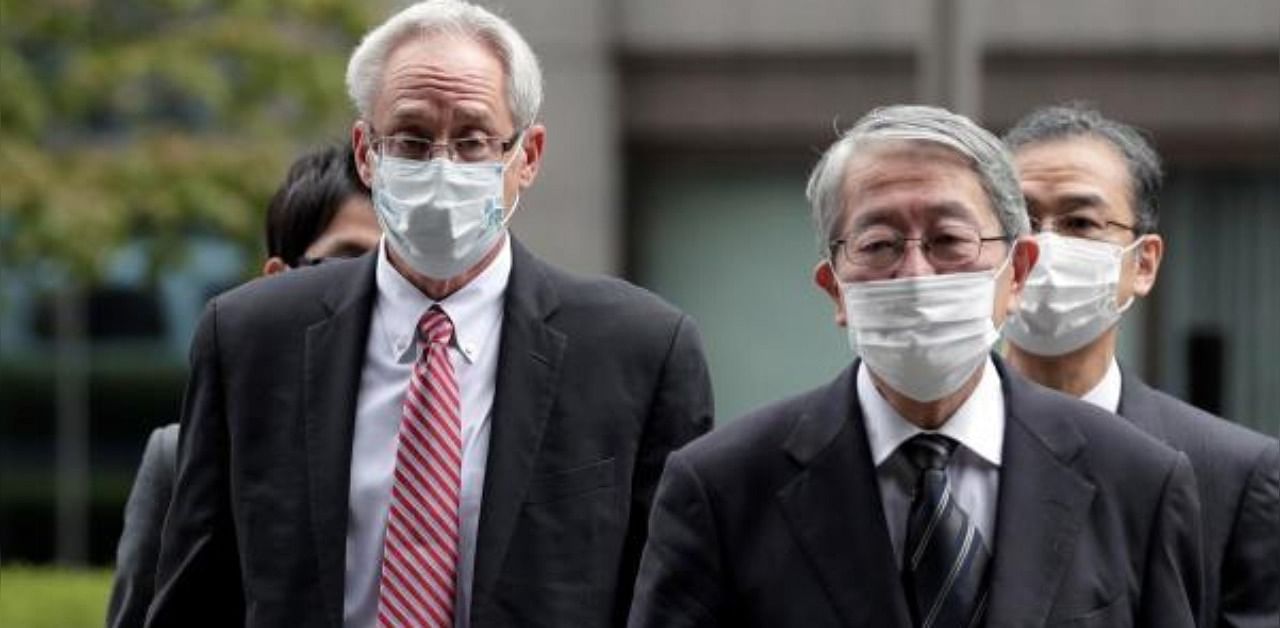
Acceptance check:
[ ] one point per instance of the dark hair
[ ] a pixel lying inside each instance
(317, 185)
(1080, 119)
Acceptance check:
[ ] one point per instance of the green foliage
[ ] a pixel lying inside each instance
(148, 119)
(39, 597)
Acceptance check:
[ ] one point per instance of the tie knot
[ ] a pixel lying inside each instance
(929, 451)
(435, 327)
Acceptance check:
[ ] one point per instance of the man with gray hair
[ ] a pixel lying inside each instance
(927, 485)
(447, 431)
(1092, 186)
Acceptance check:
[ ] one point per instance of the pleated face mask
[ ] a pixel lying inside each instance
(924, 336)
(1070, 296)
(440, 216)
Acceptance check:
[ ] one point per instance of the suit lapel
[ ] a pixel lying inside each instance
(1043, 506)
(334, 359)
(528, 369)
(833, 507)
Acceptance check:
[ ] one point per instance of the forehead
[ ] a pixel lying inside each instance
(434, 76)
(1072, 167)
(913, 185)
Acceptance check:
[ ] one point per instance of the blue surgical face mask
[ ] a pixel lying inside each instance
(439, 216)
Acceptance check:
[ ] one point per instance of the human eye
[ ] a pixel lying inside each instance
(876, 241)
(1080, 225)
(951, 244)
(473, 148)
(406, 146)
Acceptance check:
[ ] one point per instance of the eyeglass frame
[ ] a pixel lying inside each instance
(1037, 226)
(924, 250)
(449, 145)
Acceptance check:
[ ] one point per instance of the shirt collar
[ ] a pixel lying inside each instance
(978, 424)
(475, 309)
(1106, 394)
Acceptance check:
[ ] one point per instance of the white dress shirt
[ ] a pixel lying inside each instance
(476, 312)
(1106, 394)
(974, 470)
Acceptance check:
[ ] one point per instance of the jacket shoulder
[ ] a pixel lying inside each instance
(581, 292)
(289, 298)
(1113, 450)
(1196, 432)
(750, 443)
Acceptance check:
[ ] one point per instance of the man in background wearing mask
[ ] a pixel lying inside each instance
(320, 211)
(1091, 186)
(450, 431)
(927, 485)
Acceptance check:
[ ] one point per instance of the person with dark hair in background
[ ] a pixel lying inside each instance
(322, 210)
(928, 485)
(1092, 186)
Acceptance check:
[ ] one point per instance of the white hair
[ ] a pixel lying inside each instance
(986, 155)
(524, 77)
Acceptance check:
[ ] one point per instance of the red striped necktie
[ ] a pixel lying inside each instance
(420, 551)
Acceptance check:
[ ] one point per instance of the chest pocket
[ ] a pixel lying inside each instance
(571, 482)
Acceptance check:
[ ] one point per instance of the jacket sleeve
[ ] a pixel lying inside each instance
(198, 579)
(1251, 566)
(139, 546)
(1173, 588)
(681, 410)
(680, 574)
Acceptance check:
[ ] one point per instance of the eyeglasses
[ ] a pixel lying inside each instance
(880, 248)
(1078, 226)
(471, 149)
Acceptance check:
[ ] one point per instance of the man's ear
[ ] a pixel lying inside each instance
(1026, 252)
(824, 276)
(274, 265)
(1149, 253)
(533, 144)
(362, 145)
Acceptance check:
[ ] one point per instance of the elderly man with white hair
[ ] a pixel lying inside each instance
(447, 431)
(928, 484)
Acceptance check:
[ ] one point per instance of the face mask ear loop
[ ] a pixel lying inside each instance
(519, 144)
(1123, 253)
(1013, 246)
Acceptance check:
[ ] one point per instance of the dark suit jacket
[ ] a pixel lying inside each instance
(776, 520)
(139, 547)
(597, 381)
(1238, 472)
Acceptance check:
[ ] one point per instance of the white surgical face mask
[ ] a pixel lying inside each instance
(441, 217)
(924, 336)
(1070, 296)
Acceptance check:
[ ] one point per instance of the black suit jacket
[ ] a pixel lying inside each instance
(139, 547)
(776, 520)
(1238, 472)
(597, 381)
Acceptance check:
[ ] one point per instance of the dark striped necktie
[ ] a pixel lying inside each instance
(944, 558)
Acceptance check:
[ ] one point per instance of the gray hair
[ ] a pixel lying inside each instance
(1081, 120)
(988, 158)
(524, 77)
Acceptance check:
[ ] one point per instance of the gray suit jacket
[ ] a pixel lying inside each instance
(1238, 472)
(775, 520)
(597, 381)
(139, 547)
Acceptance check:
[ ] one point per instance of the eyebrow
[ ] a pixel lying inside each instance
(884, 215)
(1077, 200)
